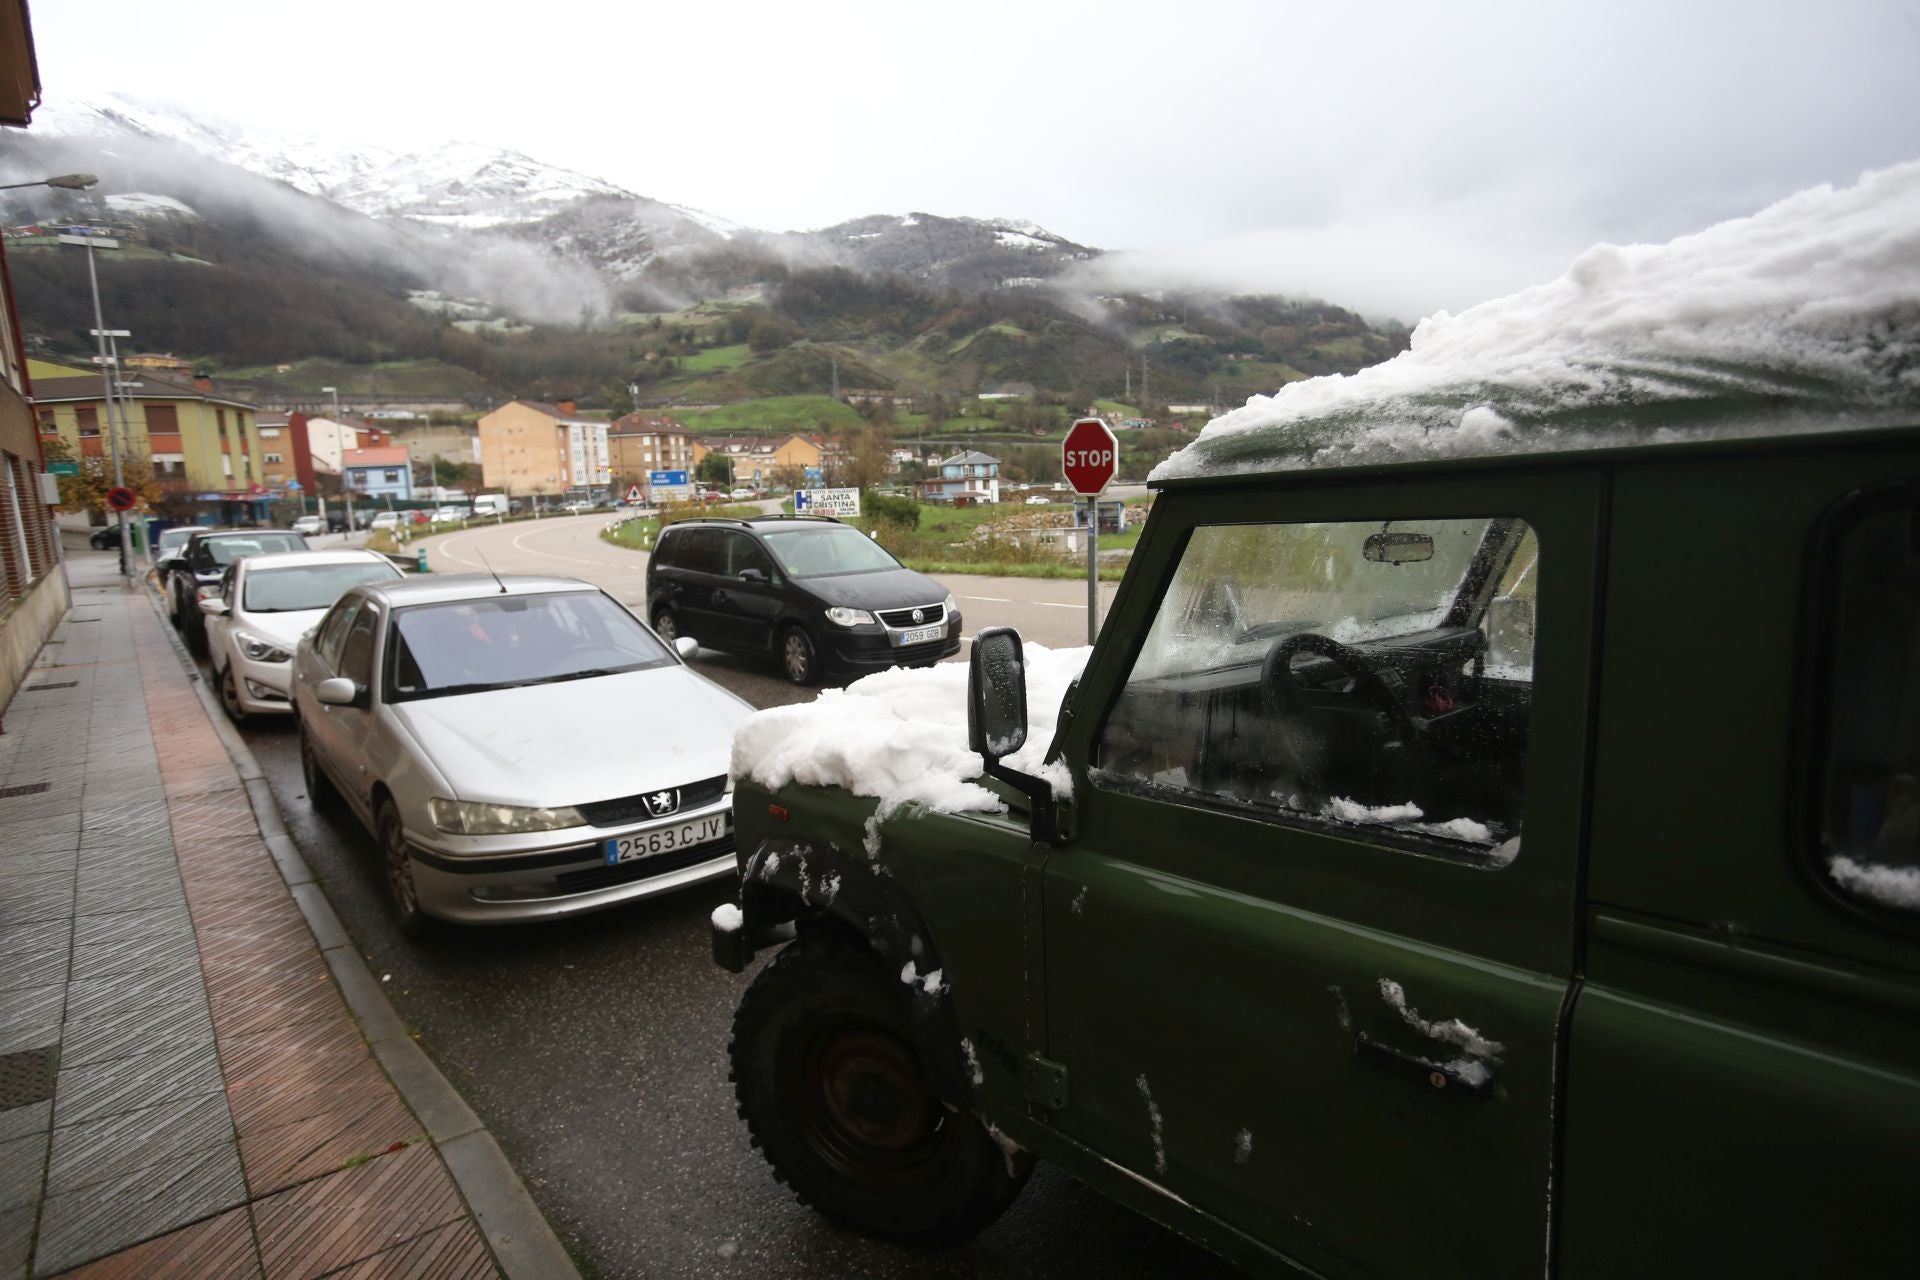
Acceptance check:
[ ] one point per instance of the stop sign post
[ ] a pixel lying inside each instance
(1089, 459)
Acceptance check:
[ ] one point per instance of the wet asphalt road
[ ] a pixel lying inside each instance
(595, 1050)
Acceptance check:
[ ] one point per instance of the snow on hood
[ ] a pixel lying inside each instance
(286, 628)
(578, 741)
(1809, 305)
(901, 735)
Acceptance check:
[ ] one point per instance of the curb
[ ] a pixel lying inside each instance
(523, 1243)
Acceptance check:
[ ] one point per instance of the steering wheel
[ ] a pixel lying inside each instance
(1283, 691)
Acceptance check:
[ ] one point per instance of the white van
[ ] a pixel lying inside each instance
(490, 504)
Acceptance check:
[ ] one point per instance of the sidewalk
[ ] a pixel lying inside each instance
(183, 1090)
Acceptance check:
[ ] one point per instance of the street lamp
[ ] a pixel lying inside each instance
(109, 364)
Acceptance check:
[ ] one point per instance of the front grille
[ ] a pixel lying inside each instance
(631, 809)
(660, 864)
(902, 619)
(911, 653)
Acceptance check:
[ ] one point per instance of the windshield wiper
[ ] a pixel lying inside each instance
(589, 673)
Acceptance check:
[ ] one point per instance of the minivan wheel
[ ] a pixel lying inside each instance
(797, 658)
(663, 625)
(230, 697)
(398, 865)
(830, 1086)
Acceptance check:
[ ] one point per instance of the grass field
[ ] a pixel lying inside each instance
(780, 413)
(716, 359)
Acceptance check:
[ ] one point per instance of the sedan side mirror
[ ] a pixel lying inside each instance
(214, 607)
(337, 691)
(685, 646)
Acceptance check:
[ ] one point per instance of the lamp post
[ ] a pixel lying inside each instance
(346, 500)
(109, 363)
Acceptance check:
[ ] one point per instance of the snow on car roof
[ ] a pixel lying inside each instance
(1805, 315)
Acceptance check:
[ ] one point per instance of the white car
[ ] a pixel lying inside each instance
(262, 607)
(310, 525)
(1037, 501)
(740, 495)
(450, 515)
(448, 712)
(388, 520)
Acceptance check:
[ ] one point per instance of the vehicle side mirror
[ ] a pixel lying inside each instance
(753, 575)
(996, 695)
(338, 691)
(213, 607)
(1510, 633)
(685, 646)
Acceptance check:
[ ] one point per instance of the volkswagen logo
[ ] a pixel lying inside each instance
(919, 615)
(662, 803)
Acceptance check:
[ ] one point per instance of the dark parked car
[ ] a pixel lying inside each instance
(194, 573)
(811, 592)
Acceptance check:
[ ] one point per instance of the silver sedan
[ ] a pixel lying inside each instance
(520, 748)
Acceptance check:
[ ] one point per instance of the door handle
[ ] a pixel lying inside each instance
(1439, 1075)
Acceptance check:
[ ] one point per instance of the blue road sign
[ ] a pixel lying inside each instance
(667, 478)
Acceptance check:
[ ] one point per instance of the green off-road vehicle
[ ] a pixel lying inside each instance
(1485, 840)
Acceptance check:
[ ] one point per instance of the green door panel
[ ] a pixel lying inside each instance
(1272, 1021)
(1740, 1141)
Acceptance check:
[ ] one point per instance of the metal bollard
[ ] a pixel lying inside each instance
(420, 562)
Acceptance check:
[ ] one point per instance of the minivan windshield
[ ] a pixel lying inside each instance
(506, 641)
(308, 586)
(821, 550)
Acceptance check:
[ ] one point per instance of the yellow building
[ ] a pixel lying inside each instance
(640, 443)
(759, 460)
(191, 435)
(531, 448)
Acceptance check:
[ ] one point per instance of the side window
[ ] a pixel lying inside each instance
(1371, 677)
(327, 644)
(1869, 670)
(744, 553)
(226, 584)
(701, 551)
(666, 552)
(356, 651)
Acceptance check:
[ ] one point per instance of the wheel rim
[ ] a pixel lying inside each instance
(399, 871)
(663, 626)
(864, 1108)
(799, 656)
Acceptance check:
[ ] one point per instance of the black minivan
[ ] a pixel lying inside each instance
(813, 593)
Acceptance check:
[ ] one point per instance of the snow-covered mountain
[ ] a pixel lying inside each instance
(966, 253)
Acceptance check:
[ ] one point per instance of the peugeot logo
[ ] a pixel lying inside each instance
(919, 615)
(662, 803)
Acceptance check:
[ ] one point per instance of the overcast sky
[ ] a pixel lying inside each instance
(1390, 157)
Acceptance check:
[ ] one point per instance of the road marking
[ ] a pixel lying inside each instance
(989, 599)
(604, 564)
(1055, 604)
(446, 549)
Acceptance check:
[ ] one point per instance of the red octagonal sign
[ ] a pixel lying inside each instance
(1089, 457)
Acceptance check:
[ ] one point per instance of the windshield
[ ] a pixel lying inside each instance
(309, 586)
(224, 551)
(171, 538)
(1241, 587)
(503, 642)
(819, 551)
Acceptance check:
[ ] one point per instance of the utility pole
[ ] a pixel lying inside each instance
(1127, 398)
(108, 376)
(1146, 396)
(836, 376)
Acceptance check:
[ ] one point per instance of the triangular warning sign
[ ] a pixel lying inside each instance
(633, 493)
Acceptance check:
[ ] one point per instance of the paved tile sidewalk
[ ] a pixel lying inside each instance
(182, 1090)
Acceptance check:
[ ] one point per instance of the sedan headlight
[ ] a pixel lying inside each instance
(258, 649)
(953, 606)
(474, 818)
(841, 616)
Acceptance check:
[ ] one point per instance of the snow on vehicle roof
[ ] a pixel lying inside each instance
(901, 735)
(1805, 315)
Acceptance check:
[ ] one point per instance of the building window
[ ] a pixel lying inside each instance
(19, 559)
(390, 477)
(273, 458)
(89, 418)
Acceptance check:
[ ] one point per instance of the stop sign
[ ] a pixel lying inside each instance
(1089, 457)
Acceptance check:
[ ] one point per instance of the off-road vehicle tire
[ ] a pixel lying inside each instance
(833, 1094)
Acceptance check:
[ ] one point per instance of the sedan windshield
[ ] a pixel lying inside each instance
(819, 551)
(224, 551)
(502, 642)
(308, 586)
